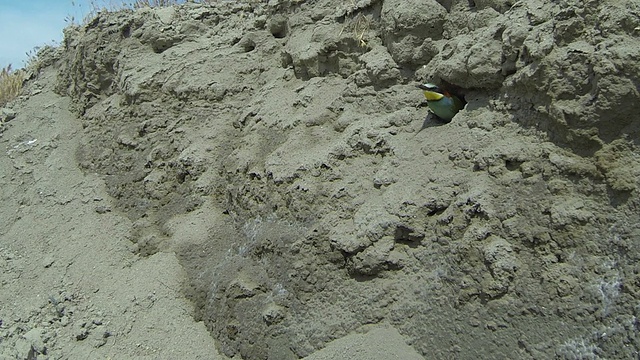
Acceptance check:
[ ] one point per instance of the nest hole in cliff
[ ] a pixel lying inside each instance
(247, 44)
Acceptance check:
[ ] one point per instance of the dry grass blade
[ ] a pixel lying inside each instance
(10, 84)
(359, 24)
(360, 28)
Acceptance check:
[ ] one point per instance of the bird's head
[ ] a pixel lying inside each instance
(433, 92)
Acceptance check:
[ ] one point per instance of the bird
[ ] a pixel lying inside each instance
(442, 103)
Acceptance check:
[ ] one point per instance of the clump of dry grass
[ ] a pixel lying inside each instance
(112, 5)
(96, 6)
(359, 25)
(153, 3)
(10, 84)
(137, 4)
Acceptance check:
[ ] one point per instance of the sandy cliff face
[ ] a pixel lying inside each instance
(280, 150)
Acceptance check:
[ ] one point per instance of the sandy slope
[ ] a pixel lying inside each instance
(260, 181)
(72, 288)
(70, 282)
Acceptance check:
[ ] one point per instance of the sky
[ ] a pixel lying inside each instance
(26, 24)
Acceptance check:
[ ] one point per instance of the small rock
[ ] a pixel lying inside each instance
(166, 14)
(350, 244)
(48, 261)
(242, 287)
(24, 350)
(373, 259)
(260, 22)
(81, 332)
(127, 140)
(36, 338)
(99, 342)
(102, 209)
(7, 114)
(273, 314)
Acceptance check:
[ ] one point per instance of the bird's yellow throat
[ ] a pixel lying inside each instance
(432, 95)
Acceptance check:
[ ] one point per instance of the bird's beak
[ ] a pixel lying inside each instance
(422, 87)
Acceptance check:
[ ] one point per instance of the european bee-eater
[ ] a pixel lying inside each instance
(443, 104)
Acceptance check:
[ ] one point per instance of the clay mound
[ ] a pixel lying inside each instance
(280, 150)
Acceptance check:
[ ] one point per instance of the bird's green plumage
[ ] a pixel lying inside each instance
(441, 103)
(446, 108)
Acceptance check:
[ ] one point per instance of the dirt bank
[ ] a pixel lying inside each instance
(280, 150)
